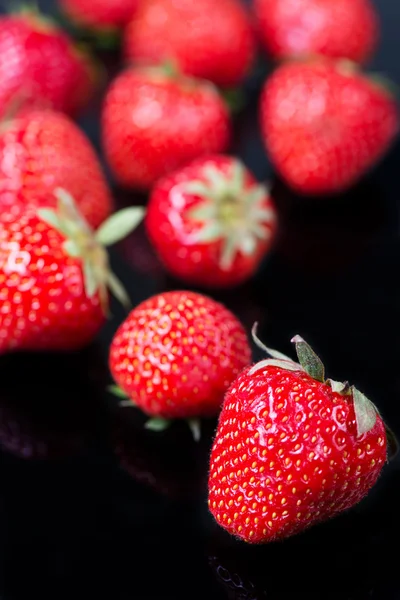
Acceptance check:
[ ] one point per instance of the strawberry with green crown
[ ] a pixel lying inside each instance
(55, 275)
(292, 448)
(211, 222)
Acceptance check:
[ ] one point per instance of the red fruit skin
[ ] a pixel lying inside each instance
(40, 67)
(43, 305)
(172, 235)
(333, 28)
(177, 353)
(100, 14)
(323, 127)
(153, 124)
(198, 36)
(43, 150)
(286, 455)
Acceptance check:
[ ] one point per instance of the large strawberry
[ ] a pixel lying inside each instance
(211, 222)
(176, 354)
(207, 39)
(325, 124)
(292, 448)
(100, 15)
(43, 150)
(335, 28)
(54, 274)
(155, 121)
(40, 66)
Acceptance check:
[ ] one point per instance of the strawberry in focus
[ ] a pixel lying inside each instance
(55, 275)
(211, 222)
(41, 67)
(101, 15)
(154, 122)
(325, 124)
(208, 39)
(291, 449)
(44, 150)
(333, 28)
(176, 354)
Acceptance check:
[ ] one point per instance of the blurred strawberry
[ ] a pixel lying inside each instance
(100, 15)
(335, 28)
(207, 39)
(325, 124)
(44, 150)
(41, 67)
(55, 275)
(155, 121)
(211, 222)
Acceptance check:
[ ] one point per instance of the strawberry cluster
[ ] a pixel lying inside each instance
(292, 447)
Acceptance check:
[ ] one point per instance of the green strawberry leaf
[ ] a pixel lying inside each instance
(157, 424)
(195, 428)
(340, 387)
(365, 412)
(270, 351)
(310, 362)
(119, 225)
(115, 390)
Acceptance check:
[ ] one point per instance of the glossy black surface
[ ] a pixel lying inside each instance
(91, 506)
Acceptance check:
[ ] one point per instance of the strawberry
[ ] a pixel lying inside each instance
(175, 356)
(43, 150)
(211, 222)
(291, 448)
(325, 124)
(208, 39)
(40, 66)
(101, 15)
(54, 275)
(333, 28)
(154, 122)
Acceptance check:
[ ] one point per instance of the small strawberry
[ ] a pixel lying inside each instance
(291, 448)
(325, 124)
(175, 356)
(208, 39)
(334, 28)
(40, 66)
(211, 222)
(54, 275)
(154, 122)
(44, 150)
(101, 15)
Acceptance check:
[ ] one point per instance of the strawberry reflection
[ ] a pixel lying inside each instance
(168, 462)
(46, 410)
(235, 585)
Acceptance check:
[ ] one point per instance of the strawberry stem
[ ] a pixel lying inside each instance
(310, 362)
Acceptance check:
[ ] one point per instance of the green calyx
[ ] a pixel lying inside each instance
(89, 246)
(229, 212)
(156, 424)
(365, 411)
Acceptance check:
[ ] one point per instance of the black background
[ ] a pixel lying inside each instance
(91, 506)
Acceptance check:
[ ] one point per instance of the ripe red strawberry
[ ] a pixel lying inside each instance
(211, 222)
(208, 39)
(335, 28)
(43, 150)
(325, 124)
(154, 122)
(54, 275)
(291, 448)
(100, 14)
(176, 354)
(40, 66)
